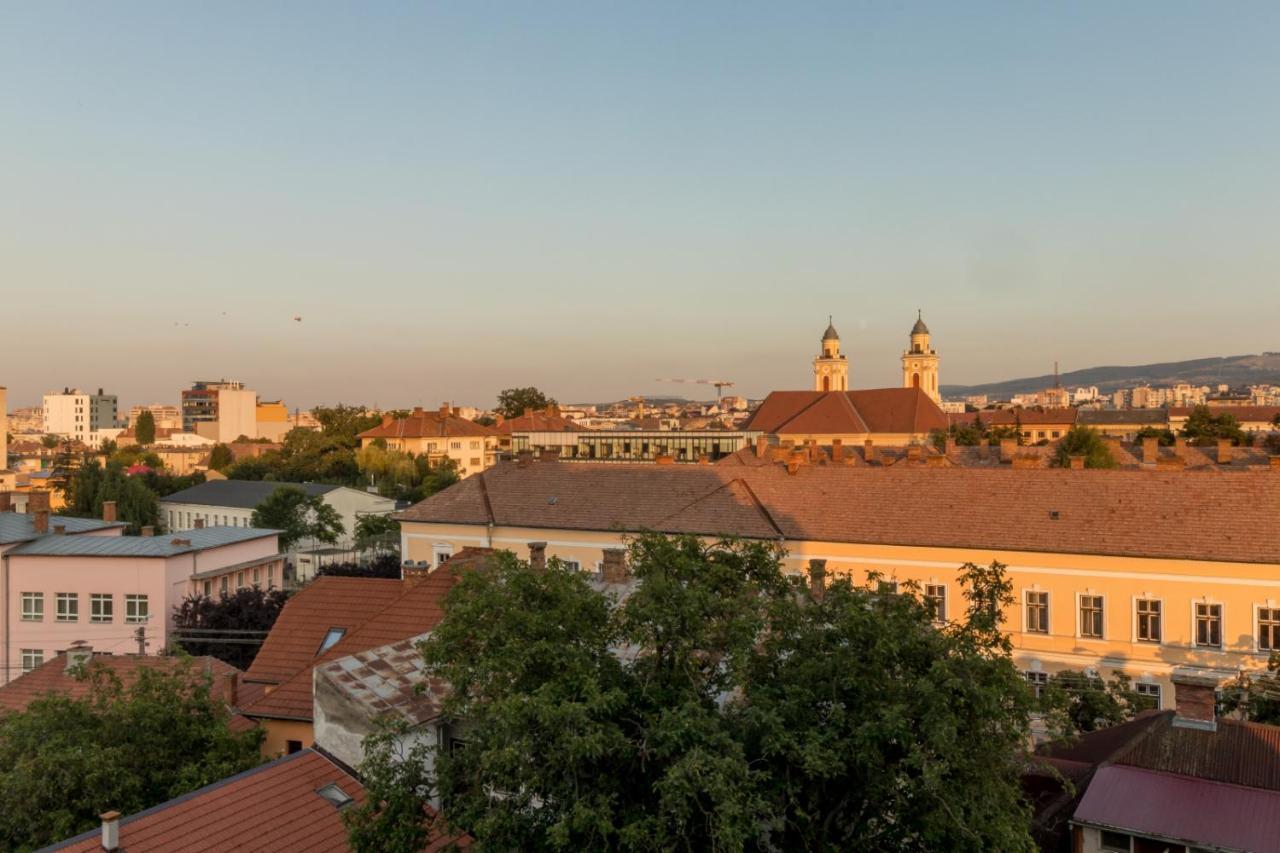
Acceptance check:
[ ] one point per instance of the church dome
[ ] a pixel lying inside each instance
(919, 328)
(830, 334)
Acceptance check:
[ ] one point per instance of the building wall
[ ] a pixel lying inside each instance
(77, 415)
(349, 503)
(472, 453)
(280, 732)
(1179, 585)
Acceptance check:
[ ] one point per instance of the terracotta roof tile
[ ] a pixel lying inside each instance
(876, 410)
(432, 424)
(1010, 417)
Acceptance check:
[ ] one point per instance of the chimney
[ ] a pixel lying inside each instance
(949, 447)
(913, 453)
(109, 512)
(938, 461)
(869, 450)
(1194, 699)
(180, 543)
(445, 410)
(1224, 451)
(59, 530)
(199, 524)
(417, 412)
(6, 502)
(794, 461)
(79, 653)
(704, 459)
(39, 520)
(817, 578)
(524, 458)
(1008, 447)
(528, 411)
(665, 459)
(549, 454)
(762, 442)
(1150, 450)
(233, 689)
(110, 830)
(411, 574)
(147, 530)
(1170, 463)
(499, 420)
(613, 569)
(1180, 445)
(837, 451)
(1077, 462)
(37, 501)
(552, 410)
(538, 556)
(388, 419)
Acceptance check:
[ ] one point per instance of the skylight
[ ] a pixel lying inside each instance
(331, 639)
(334, 795)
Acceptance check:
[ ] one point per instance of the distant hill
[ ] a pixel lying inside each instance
(1232, 370)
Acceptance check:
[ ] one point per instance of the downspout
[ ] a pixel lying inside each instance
(4, 560)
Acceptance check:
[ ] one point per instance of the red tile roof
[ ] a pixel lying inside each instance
(878, 410)
(396, 611)
(1010, 417)
(52, 677)
(538, 422)
(1241, 413)
(1135, 513)
(423, 424)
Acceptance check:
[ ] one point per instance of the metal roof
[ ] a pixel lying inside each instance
(1181, 809)
(139, 546)
(1153, 417)
(243, 494)
(20, 526)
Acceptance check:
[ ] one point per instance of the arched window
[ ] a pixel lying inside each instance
(915, 380)
(826, 383)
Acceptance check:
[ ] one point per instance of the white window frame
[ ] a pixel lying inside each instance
(938, 617)
(96, 599)
(31, 659)
(572, 565)
(1048, 611)
(1257, 625)
(72, 599)
(1159, 689)
(1080, 635)
(440, 552)
(1134, 614)
(1222, 624)
(131, 600)
(29, 613)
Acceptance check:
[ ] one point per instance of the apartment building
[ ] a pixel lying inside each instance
(439, 434)
(1138, 571)
(81, 416)
(222, 410)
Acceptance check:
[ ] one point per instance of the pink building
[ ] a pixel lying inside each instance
(80, 580)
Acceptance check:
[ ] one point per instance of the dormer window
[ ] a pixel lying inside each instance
(331, 638)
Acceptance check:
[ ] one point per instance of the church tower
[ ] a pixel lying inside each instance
(830, 370)
(920, 362)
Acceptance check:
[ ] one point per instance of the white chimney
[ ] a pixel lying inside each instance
(110, 830)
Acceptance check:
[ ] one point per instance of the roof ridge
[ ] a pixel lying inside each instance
(484, 496)
(860, 420)
(817, 398)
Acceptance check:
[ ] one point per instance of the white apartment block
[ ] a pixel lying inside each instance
(74, 414)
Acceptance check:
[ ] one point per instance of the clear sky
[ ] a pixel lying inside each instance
(460, 197)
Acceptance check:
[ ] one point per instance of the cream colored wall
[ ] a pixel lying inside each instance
(1179, 584)
(879, 439)
(485, 451)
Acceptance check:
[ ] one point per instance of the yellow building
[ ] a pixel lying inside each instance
(273, 420)
(920, 362)
(438, 435)
(830, 369)
(1130, 571)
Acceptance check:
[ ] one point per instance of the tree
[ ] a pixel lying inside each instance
(125, 748)
(382, 566)
(1203, 426)
(49, 441)
(513, 401)
(252, 609)
(1087, 442)
(403, 476)
(1255, 697)
(221, 458)
(396, 816)
(377, 533)
(89, 485)
(343, 423)
(1165, 437)
(298, 516)
(744, 712)
(1083, 702)
(145, 428)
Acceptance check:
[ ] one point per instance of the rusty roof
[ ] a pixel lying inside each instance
(389, 679)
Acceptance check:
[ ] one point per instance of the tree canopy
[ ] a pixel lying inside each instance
(1255, 697)
(251, 609)
(1087, 442)
(64, 761)
(145, 428)
(403, 476)
(1204, 426)
(1082, 702)
(722, 705)
(513, 401)
(221, 457)
(298, 516)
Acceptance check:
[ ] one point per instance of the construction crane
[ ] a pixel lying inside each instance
(719, 383)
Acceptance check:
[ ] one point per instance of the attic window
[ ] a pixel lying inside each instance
(334, 795)
(331, 638)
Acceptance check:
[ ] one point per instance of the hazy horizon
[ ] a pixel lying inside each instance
(462, 198)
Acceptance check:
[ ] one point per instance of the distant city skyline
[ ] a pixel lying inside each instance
(461, 198)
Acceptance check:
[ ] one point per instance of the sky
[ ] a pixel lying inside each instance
(462, 197)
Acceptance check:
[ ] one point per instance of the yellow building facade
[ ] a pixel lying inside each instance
(920, 362)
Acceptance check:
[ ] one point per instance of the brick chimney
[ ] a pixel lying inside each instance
(704, 459)
(949, 447)
(1025, 460)
(817, 578)
(411, 574)
(1194, 699)
(1224, 451)
(665, 459)
(538, 556)
(1150, 450)
(388, 419)
(1180, 445)
(869, 451)
(524, 458)
(1170, 463)
(180, 543)
(1077, 462)
(794, 461)
(762, 444)
(549, 454)
(528, 411)
(837, 451)
(199, 524)
(1275, 463)
(936, 461)
(613, 569)
(147, 530)
(1008, 447)
(39, 520)
(110, 831)
(445, 410)
(233, 689)
(913, 453)
(109, 512)
(59, 530)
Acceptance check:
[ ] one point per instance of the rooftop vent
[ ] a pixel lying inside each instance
(334, 795)
(1054, 514)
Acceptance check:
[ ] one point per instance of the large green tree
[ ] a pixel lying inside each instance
(722, 705)
(1255, 696)
(89, 485)
(1087, 442)
(65, 761)
(298, 516)
(247, 613)
(396, 815)
(145, 428)
(1203, 426)
(1079, 702)
(513, 401)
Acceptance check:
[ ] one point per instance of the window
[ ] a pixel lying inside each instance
(240, 580)
(889, 587)
(207, 588)
(1148, 620)
(573, 565)
(257, 575)
(32, 606)
(1268, 628)
(440, 553)
(331, 638)
(1150, 694)
(271, 576)
(455, 445)
(1038, 612)
(32, 658)
(1037, 680)
(101, 607)
(475, 462)
(935, 595)
(135, 608)
(68, 607)
(1090, 616)
(1209, 625)
(1115, 841)
(334, 795)
(222, 585)
(292, 746)
(475, 445)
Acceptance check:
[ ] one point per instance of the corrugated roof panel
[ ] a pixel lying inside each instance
(139, 546)
(242, 494)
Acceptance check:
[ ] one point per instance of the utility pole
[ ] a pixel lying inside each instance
(141, 636)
